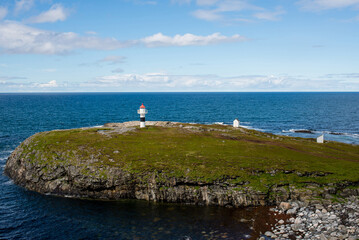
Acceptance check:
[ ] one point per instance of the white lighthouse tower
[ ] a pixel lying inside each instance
(142, 111)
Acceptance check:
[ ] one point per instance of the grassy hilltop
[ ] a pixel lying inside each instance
(205, 153)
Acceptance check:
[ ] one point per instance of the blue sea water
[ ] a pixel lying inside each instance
(28, 215)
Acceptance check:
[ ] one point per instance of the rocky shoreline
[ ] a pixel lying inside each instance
(336, 221)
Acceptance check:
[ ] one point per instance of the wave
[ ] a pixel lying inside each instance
(9, 182)
(3, 159)
(6, 151)
(299, 131)
(309, 131)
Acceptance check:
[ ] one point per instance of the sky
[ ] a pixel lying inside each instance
(179, 45)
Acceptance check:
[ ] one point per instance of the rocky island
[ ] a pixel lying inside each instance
(185, 163)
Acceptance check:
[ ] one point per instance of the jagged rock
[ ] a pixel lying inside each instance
(322, 237)
(292, 211)
(284, 206)
(295, 227)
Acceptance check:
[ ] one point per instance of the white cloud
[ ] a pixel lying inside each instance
(270, 15)
(160, 40)
(3, 12)
(161, 81)
(23, 5)
(30, 86)
(135, 78)
(260, 81)
(54, 14)
(235, 6)
(208, 15)
(233, 11)
(113, 59)
(168, 82)
(189, 82)
(21, 39)
(317, 5)
(17, 38)
(50, 84)
(7, 78)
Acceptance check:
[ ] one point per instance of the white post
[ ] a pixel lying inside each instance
(320, 139)
(236, 123)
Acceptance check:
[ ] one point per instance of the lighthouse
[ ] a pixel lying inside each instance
(142, 111)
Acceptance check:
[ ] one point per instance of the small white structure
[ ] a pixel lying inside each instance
(320, 139)
(142, 111)
(236, 123)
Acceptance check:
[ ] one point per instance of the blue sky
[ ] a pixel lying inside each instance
(179, 45)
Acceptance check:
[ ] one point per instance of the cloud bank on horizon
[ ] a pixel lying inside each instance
(179, 45)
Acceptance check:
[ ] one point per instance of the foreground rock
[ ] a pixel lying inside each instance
(317, 221)
(184, 163)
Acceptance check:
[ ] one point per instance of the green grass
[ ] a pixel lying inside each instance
(214, 153)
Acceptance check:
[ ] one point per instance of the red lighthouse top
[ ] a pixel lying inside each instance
(142, 106)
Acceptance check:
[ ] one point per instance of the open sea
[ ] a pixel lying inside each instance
(29, 215)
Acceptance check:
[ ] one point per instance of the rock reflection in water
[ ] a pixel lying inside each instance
(134, 219)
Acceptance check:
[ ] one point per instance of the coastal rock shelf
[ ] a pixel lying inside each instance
(185, 163)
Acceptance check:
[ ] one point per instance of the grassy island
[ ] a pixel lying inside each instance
(204, 154)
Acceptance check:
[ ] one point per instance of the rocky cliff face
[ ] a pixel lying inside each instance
(86, 181)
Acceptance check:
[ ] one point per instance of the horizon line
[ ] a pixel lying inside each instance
(187, 92)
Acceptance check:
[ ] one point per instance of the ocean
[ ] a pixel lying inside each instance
(29, 215)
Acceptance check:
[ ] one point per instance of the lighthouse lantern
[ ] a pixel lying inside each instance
(142, 111)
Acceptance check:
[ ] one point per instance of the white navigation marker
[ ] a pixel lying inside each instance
(236, 123)
(320, 139)
(142, 111)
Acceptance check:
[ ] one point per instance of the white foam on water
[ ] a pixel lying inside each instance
(354, 135)
(9, 182)
(5, 154)
(7, 151)
(295, 130)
